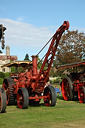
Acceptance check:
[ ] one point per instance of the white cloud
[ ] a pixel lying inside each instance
(79, 29)
(23, 34)
(25, 38)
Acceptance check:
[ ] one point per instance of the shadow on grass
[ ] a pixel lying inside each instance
(33, 105)
(3, 112)
(37, 105)
(74, 99)
(60, 97)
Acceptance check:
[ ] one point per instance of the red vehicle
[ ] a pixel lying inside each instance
(28, 87)
(73, 86)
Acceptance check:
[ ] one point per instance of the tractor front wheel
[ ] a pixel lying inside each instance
(50, 92)
(3, 100)
(81, 94)
(22, 98)
(66, 88)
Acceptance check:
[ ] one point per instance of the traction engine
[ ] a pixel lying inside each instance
(73, 86)
(29, 87)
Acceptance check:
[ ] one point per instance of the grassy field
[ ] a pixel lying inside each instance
(66, 114)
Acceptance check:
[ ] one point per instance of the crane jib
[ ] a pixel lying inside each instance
(50, 54)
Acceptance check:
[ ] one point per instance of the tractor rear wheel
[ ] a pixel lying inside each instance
(81, 94)
(66, 88)
(8, 87)
(50, 92)
(22, 98)
(2, 100)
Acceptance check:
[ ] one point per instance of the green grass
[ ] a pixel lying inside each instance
(66, 114)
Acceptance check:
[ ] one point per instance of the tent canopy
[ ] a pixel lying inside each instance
(17, 64)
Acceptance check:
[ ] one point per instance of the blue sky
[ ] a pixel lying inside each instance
(31, 23)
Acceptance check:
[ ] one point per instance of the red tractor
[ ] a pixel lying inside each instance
(73, 86)
(28, 87)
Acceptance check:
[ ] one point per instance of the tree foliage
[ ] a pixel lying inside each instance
(7, 74)
(1, 51)
(27, 57)
(39, 62)
(16, 70)
(71, 48)
(2, 75)
(1, 81)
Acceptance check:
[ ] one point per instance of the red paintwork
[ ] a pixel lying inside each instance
(37, 98)
(31, 79)
(65, 89)
(49, 58)
(78, 81)
(34, 61)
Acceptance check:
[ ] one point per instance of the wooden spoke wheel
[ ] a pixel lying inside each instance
(22, 98)
(2, 100)
(8, 87)
(49, 91)
(66, 88)
(81, 94)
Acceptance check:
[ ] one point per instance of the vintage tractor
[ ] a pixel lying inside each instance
(2, 92)
(28, 87)
(73, 86)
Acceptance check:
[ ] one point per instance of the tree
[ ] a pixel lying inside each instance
(39, 61)
(27, 57)
(1, 51)
(71, 48)
(16, 69)
(2, 75)
(13, 69)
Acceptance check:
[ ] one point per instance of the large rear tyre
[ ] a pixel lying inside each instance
(66, 88)
(81, 94)
(50, 92)
(22, 98)
(8, 87)
(2, 100)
